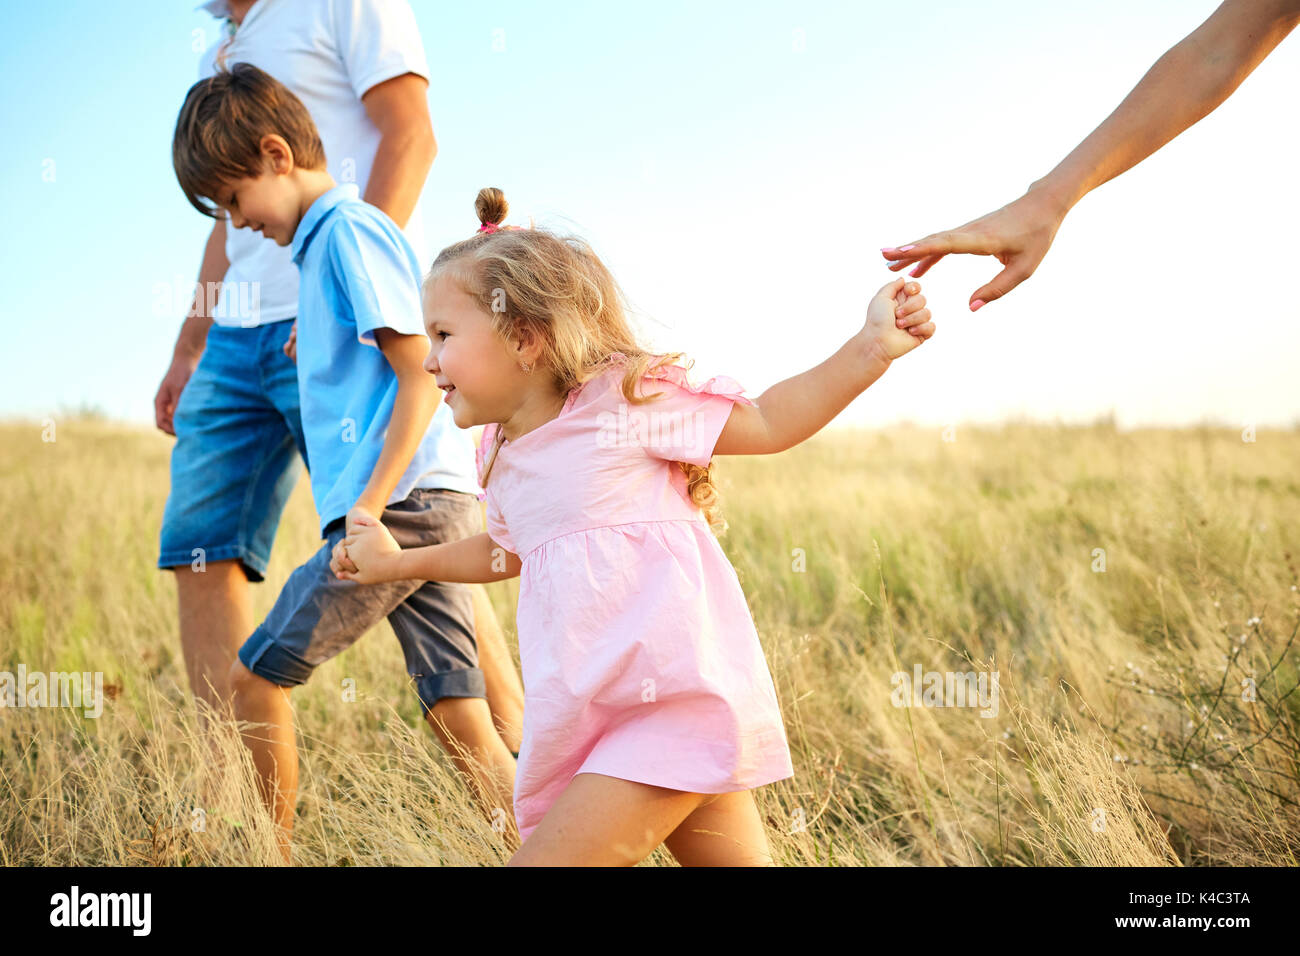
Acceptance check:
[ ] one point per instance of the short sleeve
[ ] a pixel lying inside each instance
(376, 276)
(496, 524)
(377, 40)
(685, 422)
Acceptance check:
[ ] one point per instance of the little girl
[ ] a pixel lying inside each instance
(649, 711)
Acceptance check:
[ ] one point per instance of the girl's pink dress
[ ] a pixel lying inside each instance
(640, 658)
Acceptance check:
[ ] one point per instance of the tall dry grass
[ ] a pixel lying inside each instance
(1121, 736)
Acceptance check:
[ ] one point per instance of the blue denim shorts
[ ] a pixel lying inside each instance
(318, 615)
(239, 450)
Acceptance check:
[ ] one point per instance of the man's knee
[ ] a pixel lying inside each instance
(216, 576)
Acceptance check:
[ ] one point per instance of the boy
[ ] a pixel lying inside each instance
(245, 145)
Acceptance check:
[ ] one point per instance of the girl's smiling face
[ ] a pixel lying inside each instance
(473, 365)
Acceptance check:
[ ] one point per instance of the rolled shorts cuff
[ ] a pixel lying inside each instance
(281, 666)
(254, 563)
(467, 682)
(265, 658)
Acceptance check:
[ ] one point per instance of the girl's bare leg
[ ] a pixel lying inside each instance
(725, 832)
(606, 821)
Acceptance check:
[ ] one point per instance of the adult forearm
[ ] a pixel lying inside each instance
(193, 336)
(1181, 88)
(397, 176)
(212, 270)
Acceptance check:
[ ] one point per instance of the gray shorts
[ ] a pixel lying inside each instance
(318, 615)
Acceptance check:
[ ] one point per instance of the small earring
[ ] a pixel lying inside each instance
(526, 366)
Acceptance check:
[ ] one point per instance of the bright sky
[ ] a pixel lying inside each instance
(738, 166)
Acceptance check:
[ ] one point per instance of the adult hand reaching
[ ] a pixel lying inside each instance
(1182, 87)
(1018, 235)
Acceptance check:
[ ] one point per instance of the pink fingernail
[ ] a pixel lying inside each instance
(905, 248)
(976, 305)
(915, 271)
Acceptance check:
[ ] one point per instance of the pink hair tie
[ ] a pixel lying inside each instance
(488, 227)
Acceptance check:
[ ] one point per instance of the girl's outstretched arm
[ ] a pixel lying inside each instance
(369, 555)
(796, 409)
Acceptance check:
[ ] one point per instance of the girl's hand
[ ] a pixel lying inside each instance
(339, 560)
(369, 548)
(1018, 235)
(897, 319)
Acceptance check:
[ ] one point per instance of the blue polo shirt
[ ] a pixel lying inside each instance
(358, 273)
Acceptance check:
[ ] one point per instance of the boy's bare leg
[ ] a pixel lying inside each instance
(216, 616)
(275, 753)
(486, 762)
(505, 690)
(465, 722)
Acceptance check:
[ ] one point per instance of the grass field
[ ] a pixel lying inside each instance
(1125, 733)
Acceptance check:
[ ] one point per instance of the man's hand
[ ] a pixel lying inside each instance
(169, 392)
(291, 344)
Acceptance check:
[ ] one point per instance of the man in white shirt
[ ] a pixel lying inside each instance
(230, 395)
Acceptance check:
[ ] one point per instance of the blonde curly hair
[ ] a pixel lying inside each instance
(556, 288)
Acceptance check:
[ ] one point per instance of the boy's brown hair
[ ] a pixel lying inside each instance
(220, 128)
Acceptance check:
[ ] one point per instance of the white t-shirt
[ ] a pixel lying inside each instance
(330, 53)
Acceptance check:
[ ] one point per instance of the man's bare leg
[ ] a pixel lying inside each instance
(216, 617)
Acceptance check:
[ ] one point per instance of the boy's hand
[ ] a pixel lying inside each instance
(358, 512)
(371, 550)
(897, 319)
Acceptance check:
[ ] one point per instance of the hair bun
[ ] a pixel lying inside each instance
(491, 206)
